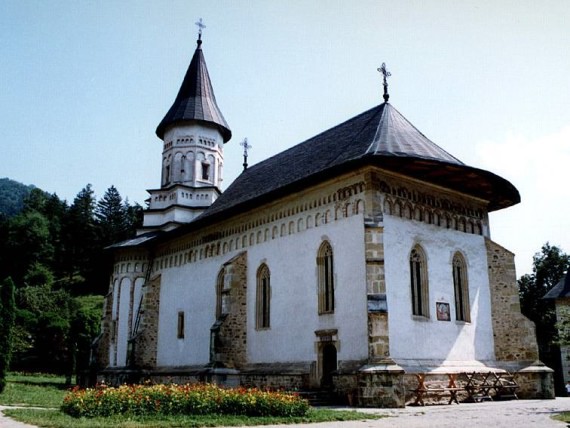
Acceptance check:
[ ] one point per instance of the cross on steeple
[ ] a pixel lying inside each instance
(386, 74)
(200, 26)
(245, 146)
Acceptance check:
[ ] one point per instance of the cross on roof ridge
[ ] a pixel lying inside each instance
(200, 26)
(385, 74)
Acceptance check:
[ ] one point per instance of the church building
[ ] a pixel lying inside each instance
(349, 262)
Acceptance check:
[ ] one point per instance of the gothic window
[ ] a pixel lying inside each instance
(167, 174)
(325, 278)
(180, 327)
(212, 171)
(222, 296)
(263, 298)
(205, 171)
(461, 288)
(419, 282)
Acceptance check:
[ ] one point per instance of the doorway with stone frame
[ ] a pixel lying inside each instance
(327, 346)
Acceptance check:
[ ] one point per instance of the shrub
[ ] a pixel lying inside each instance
(189, 399)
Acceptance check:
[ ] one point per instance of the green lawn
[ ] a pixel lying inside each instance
(56, 419)
(564, 417)
(48, 391)
(36, 390)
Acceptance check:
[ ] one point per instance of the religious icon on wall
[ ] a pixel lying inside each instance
(442, 311)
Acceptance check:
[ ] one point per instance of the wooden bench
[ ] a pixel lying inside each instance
(505, 386)
(480, 385)
(437, 388)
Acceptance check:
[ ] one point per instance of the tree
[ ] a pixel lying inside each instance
(85, 327)
(55, 329)
(55, 210)
(36, 200)
(549, 266)
(5, 257)
(80, 238)
(12, 195)
(38, 274)
(7, 321)
(44, 315)
(134, 215)
(29, 241)
(111, 216)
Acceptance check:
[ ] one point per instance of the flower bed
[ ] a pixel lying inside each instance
(189, 399)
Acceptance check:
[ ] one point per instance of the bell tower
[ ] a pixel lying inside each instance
(193, 132)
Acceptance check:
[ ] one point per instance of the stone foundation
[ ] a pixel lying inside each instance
(536, 382)
(289, 379)
(383, 386)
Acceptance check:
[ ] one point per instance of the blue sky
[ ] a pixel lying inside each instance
(85, 83)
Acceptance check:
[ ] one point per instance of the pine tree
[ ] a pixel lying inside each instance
(7, 322)
(80, 239)
(111, 216)
(134, 217)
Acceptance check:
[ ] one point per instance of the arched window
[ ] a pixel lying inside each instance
(325, 278)
(263, 298)
(461, 288)
(222, 296)
(419, 282)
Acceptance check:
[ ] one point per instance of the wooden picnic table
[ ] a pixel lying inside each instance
(480, 385)
(436, 388)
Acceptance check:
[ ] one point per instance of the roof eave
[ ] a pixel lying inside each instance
(485, 184)
(165, 125)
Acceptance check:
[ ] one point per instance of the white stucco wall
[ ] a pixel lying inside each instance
(294, 312)
(136, 299)
(429, 339)
(190, 288)
(123, 321)
(294, 298)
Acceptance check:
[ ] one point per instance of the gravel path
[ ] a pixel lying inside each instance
(497, 414)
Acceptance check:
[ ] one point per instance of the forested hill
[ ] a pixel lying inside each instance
(12, 195)
(53, 253)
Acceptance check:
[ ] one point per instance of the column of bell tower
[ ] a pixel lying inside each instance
(192, 155)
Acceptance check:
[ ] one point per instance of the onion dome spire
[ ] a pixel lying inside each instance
(196, 100)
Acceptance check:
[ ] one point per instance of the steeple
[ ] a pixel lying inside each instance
(193, 132)
(196, 100)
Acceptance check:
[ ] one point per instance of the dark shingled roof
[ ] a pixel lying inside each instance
(380, 136)
(137, 241)
(195, 100)
(560, 290)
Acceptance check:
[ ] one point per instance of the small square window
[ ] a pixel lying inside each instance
(377, 303)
